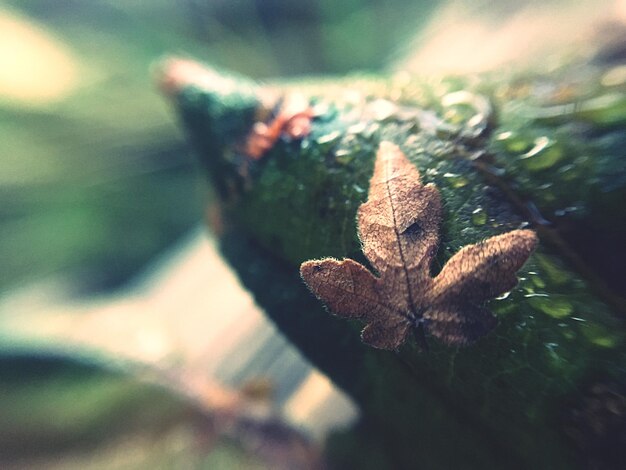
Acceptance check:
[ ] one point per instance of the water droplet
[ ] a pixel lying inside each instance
(455, 116)
(544, 154)
(570, 172)
(370, 130)
(328, 138)
(344, 156)
(382, 109)
(514, 143)
(358, 128)
(552, 269)
(352, 97)
(554, 306)
(569, 334)
(566, 211)
(457, 181)
(601, 336)
(552, 354)
(323, 111)
(479, 216)
(607, 109)
(537, 281)
(477, 120)
(615, 76)
(466, 109)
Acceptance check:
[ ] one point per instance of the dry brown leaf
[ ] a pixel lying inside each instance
(399, 230)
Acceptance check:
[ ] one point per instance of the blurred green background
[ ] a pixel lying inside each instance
(96, 179)
(95, 174)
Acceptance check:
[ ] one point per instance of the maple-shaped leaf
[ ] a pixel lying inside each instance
(399, 230)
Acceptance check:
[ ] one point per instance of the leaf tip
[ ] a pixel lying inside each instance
(314, 266)
(524, 240)
(529, 237)
(315, 272)
(389, 151)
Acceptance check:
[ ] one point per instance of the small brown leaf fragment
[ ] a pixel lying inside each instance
(293, 120)
(399, 230)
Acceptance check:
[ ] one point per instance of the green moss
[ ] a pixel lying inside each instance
(498, 403)
(479, 216)
(600, 335)
(554, 306)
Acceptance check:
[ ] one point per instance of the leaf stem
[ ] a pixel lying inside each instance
(420, 336)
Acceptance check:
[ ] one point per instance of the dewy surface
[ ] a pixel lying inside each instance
(517, 397)
(399, 229)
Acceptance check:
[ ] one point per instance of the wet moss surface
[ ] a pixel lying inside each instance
(501, 161)
(564, 149)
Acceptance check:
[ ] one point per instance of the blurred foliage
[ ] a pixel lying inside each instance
(100, 179)
(62, 414)
(57, 405)
(97, 180)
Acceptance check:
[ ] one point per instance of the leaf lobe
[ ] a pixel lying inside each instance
(398, 227)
